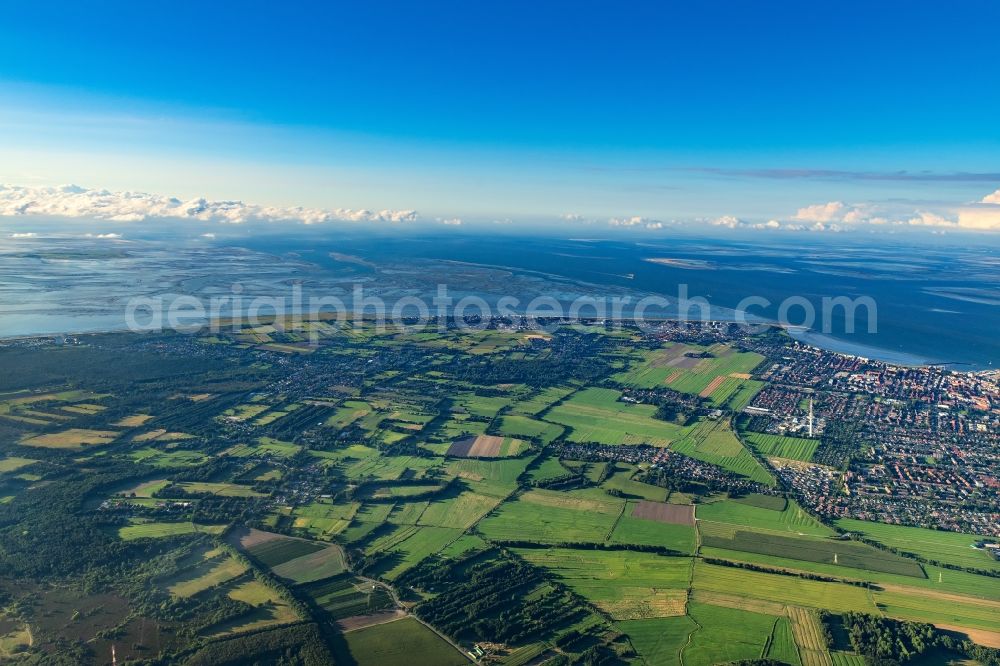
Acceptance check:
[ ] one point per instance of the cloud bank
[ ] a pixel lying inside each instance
(76, 201)
(72, 201)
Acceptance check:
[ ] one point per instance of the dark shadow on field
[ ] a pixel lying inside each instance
(384, 564)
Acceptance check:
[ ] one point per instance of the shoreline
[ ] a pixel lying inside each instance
(806, 337)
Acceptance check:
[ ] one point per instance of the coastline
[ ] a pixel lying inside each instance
(806, 337)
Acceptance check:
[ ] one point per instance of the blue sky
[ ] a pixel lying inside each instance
(680, 111)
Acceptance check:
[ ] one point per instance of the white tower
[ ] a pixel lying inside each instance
(810, 417)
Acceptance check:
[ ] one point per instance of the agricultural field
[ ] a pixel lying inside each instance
(659, 641)
(631, 530)
(269, 610)
(782, 645)
(314, 566)
(680, 367)
(726, 517)
(939, 609)
(220, 489)
(168, 459)
(13, 463)
(946, 581)
(428, 476)
(546, 468)
(501, 475)
(403, 642)
(461, 511)
(542, 400)
(599, 415)
(213, 570)
(550, 516)
(323, 519)
(726, 634)
(627, 585)
(714, 442)
(781, 589)
(744, 394)
(346, 596)
(807, 632)
(74, 438)
(273, 550)
(780, 446)
(419, 544)
(485, 446)
(844, 553)
(141, 529)
(934, 545)
(516, 425)
(621, 480)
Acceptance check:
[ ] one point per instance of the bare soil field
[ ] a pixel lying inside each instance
(675, 514)
(712, 385)
(483, 446)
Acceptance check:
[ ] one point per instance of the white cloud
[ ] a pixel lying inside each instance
(837, 216)
(572, 217)
(627, 221)
(925, 219)
(980, 218)
(728, 221)
(27, 234)
(828, 212)
(452, 222)
(76, 201)
(209, 235)
(104, 236)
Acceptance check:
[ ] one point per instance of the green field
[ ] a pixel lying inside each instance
(621, 480)
(220, 489)
(323, 519)
(552, 517)
(845, 553)
(516, 425)
(317, 565)
(653, 533)
(167, 459)
(460, 512)
(940, 580)
(542, 400)
(947, 547)
(659, 641)
(278, 551)
(490, 477)
(725, 517)
(748, 389)
(352, 459)
(348, 413)
(11, 464)
(793, 590)
(793, 448)
(547, 468)
(726, 634)
(346, 596)
(403, 642)
(208, 573)
(627, 585)
(714, 442)
(781, 646)
(597, 415)
(153, 530)
(971, 614)
(421, 543)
